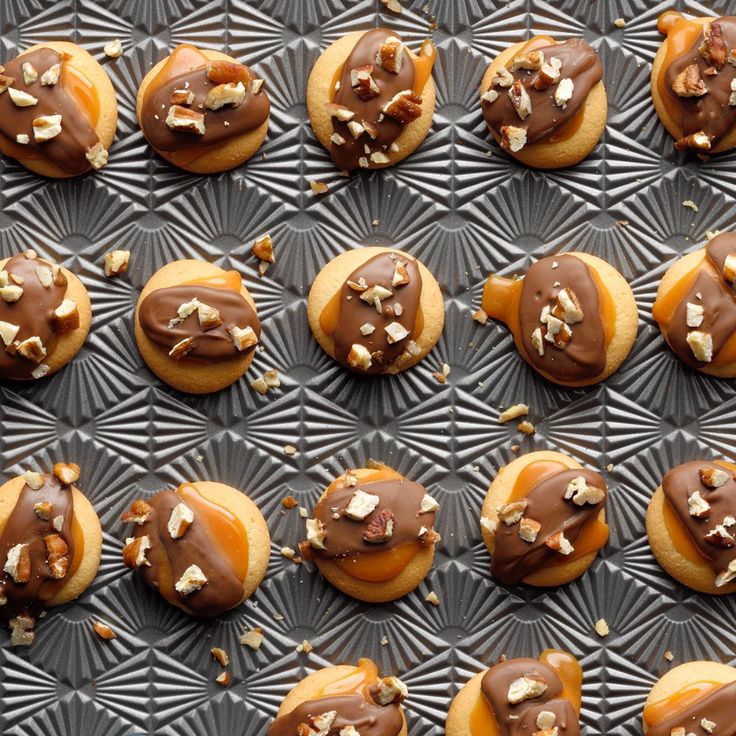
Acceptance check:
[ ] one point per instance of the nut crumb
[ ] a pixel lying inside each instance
(116, 262)
(601, 627)
(689, 203)
(513, 412)
(223, 679)
(432, 598)
(290, 450)
(289, 502)
(526, 428)
(220, 655)
(668, 655)
(318, 187)
(103, 631)
(252, 638)
(619, 23)
(114, 48)
(305, 647)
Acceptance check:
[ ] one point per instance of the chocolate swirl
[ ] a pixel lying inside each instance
(584, 357)
(711, 112)
(355, 312)
(580, 63)
(24, 526)
(33, 313)
(211, 345)
(717, 707)
(513, 558)
(68, 149)
(521, 719)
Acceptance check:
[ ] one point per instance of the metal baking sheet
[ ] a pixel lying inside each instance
(465, 209)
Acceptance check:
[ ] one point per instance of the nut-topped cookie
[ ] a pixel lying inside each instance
(372, 534)
(196, 326)
(376, 310)
(50, 546)
(696, 307)
(543, 520)
(537, 697)
(694, 698)
(573, 317)
(58, 112)
(544, 101)
(694, 81)
(371, 99)
(343, 701)
(203, 110)
(691, 525)
(203, 546)
(45, 315)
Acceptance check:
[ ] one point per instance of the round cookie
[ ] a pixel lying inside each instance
(461, 707)
(83, 62)
(570, 150)
(236, 504)
(187, 375)
(334, 275)
(626, 320)
(320, 94)
(548, 575)
(218, 157)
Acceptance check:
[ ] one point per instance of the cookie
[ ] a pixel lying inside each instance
(696, 307)
(691, 525)
(45, 315)
(334, 699)
(204, 546)
(203, 110)
(370, 99)
(50, 546)
(58, 111)
(372, 535)
(694, 81)
(544, 101)
(521, 696)
(376, 310)
(196, 326)
(694, 697)
(543, 520)
(573, 317)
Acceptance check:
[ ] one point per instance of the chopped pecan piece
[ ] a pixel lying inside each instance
(529, 530)
(511, 513)
(342, 113)
(46, 127)
(689, 83)
(694, 314)
(30, 74)
(719, 536)
(139, 513)
(512, 138)
(359, 357)
(103, 631)
(380, 528)
(727, 576)
(263, 249)
(67, 473)
(243, 338)
(183, 97)
(5, 82)
(43, 510)
(531, 61)
(489, 96)
(32, 349)
(51, 76)
(315, 533)
(22, 99)
(714, 49)
(390, 55)
(180, 520)
(524, 688)
(183, 120)
(559, 543)
(701, 343)
(57, 555)
(361, 505)
(428, 504)
(568, 307)
(8, 332)
(11, 293)
(116, 262)
(520, 99)
(713, 477)
(209, 317)
(697, 141)
(134, 551)
(21, 628)
(97, 156)
(66, 316)
(361, 80)
(33, 479)
(502, 78)
(227, 72)
(18, 563)
(564, 92)
(396, 332)
(220, 655)
(390, 690)
(405, 106)
(225, 94)
(192, 580)
(698, 507)
(548, 74)
(182, 348)
(538, 340)
(114, 48)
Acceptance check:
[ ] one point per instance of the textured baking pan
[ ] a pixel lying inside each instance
(466, 209)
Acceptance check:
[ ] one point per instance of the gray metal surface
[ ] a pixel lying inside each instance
(466, 209)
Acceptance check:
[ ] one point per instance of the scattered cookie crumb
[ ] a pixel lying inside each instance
(318, 187)
(619, 22)
(384, 641)
(609, 467)
(668, 655)
(116, 262)
(601, 627)
(526, 427)
(375, 222)
(263, 250)
(223, 679)
(290, 449)
(103, 631)
(270, 379)
(114, 48)
(513, 412)
(432, 598)
(303, 512)
(252, 638)
(220, 655)
(289, 502)
(689, 203)
(305, 647)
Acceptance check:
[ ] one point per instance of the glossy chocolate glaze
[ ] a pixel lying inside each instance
(521, 719)
(33, 313)
(579, 63)
(717, 297)
(678, 484)
(513, 558)
(25, 527)
(710, 113)
(355, 312)
(221, 125)
(68, 149)
(719, 707)
(364, 53)
(210, 346)
(585, 355)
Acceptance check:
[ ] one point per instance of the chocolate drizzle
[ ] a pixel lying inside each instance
(521, 719)
(355, 312)
(585, 355)
(579, 63)
(210, 346)
(513, 558)
(33, 313)
(717, 707)
(68, 149)
(24, 526)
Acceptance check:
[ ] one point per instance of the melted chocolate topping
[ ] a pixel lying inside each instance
(710, 113)
(584, 357)
(221, 125)
(579, 63)
(198, 546)
(352, 710)
(513, 558)
(210, 346)
(521, 719)
(717, 297)
(68, 149)
(25, 527)
(717, 707)
(347, 155)
(33, 313)
(679, 484)
(356, 312)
